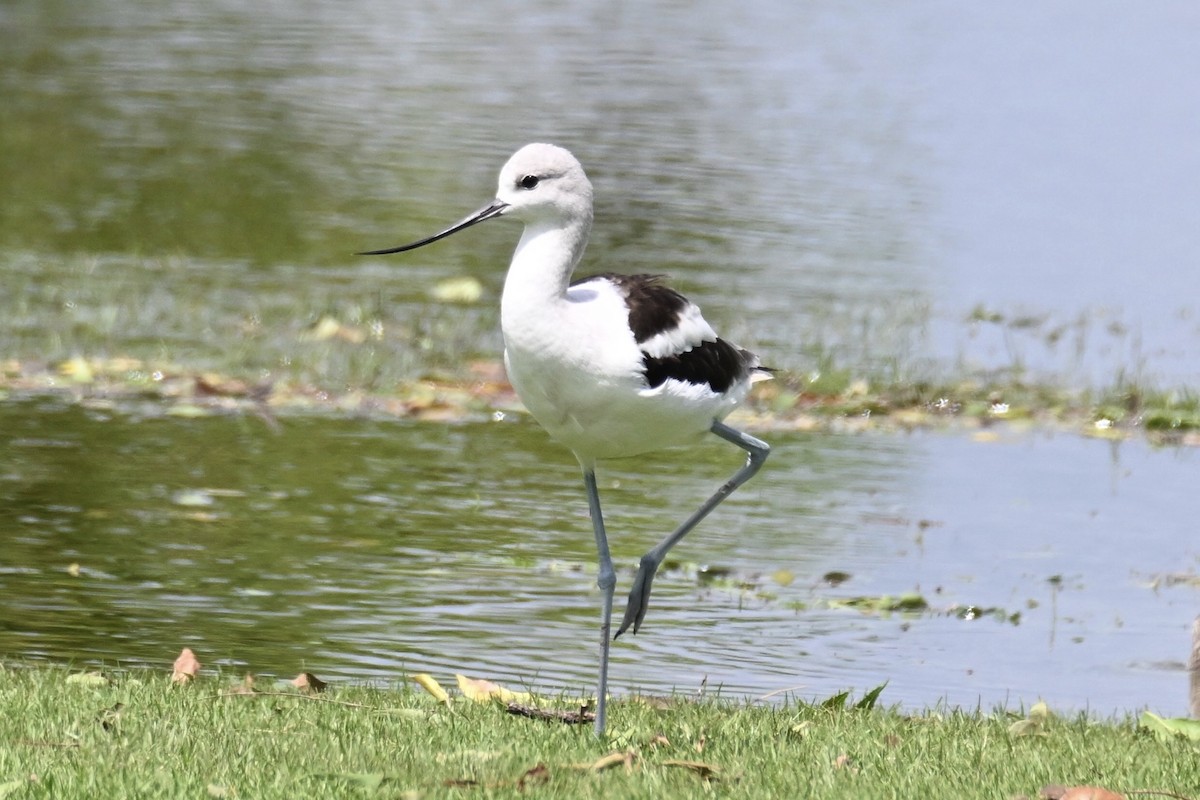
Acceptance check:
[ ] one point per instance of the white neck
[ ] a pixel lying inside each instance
(541, 268)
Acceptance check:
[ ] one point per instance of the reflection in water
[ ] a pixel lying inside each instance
(361, 549)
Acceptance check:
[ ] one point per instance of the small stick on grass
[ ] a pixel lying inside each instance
(580, 717)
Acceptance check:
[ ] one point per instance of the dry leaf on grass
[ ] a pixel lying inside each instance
(246, 687)
(309, 683)
(1057, 792)
(427, 682)
(483, 691)
(534, 776)
(186, 667)
(613, 759)
(706, 772)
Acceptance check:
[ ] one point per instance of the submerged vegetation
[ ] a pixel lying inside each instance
(209, 338)
(837, 403)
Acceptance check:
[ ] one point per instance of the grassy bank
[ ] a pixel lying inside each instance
(64, 734)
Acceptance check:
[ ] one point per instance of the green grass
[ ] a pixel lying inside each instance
(65, 738)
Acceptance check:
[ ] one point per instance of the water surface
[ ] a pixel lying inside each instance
(836, 184)
(361, 549)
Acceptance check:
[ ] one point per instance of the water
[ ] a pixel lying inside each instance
(359, 549)
(902, 192)
(830, 182)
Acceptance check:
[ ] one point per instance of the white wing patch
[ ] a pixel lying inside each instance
(690, 331)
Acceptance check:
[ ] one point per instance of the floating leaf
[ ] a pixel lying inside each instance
(188, 411)
(77, 369)
(186, 666)
(458, 290)
(783, 577)
(427, 682)
(483, 691)
(328, 328)
(192, 498)
(835, 577)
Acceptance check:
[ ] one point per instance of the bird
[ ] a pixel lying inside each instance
(612, 366)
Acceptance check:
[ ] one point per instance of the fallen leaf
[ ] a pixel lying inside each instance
(427, 682)
(89, 679)
(309, 683)
(483, 691)
(705, 771)
(613, 759)
(1034, 724)
(844, 761)
(533, 776)
(186, 666)
(246, 687)
(1092, 793)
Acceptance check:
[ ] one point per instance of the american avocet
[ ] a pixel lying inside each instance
(612, 365)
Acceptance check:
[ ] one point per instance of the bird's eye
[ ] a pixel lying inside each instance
(529, 182)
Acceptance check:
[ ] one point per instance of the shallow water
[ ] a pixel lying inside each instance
(361, 549)
(836, 185)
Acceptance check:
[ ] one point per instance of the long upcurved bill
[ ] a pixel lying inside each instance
(492, 209)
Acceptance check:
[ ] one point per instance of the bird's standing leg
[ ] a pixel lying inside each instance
(639, 595)
(606, 580)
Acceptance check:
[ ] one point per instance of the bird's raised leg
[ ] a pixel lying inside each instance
(606, 580)
(639, 595)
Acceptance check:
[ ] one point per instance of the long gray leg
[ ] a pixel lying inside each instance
(639, 595)
(606, 581)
